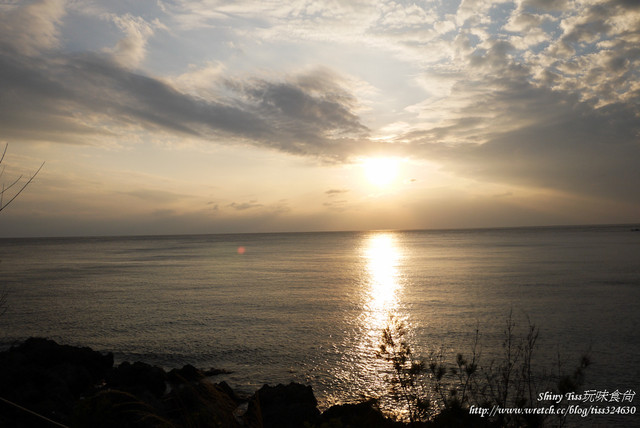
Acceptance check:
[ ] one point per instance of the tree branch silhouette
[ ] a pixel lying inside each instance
(4, 204)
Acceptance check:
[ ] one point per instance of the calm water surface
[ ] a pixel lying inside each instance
(310, 307)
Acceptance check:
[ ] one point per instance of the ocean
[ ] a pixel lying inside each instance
(311, 307)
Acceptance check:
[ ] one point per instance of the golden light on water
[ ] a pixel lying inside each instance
(381, 297)
(382, 257)
(383, 305)
(381, 287)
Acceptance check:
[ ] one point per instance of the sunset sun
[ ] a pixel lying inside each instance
(380, 172)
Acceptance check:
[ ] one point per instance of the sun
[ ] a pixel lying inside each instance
(380, 172)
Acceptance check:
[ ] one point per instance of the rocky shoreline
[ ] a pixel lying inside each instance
(44, 384)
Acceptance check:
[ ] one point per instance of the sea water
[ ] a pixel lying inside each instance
(311, 307)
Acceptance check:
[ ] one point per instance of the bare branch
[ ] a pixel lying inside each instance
(3, 204)
(4, 152)
(4, 189)
(22, 188)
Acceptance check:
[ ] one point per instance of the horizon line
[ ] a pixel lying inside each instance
(444, 229)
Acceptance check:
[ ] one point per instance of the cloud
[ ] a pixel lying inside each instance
(259, 211)
(333, 192)
(546, 5)
(538, 93)
(472, 9)
(334, 204)
(503, 195)
(131, 50)
(243, 206)
(395, 16)
(546, 139)
(75, 98)
(156, 196)
(32, 28)
(297, 19)
(564, 116)
(311, 114)
(97, 98)
(492, 55)
(337, 205)
(201, 81)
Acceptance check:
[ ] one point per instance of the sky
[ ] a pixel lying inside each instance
(185, 116)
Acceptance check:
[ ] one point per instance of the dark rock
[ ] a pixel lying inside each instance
(48, 378)
(360, 415)
(281, 406)
(455, 416)
(187, 373)
(80, 387)
(224, 386)
(201, 404)
(216, 372)
(110, 408)
(138, 378)
(47, 354)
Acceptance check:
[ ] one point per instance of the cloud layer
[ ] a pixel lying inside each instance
(533, 93)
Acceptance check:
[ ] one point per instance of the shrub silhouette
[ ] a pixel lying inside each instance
(406, 382)
(443, 393)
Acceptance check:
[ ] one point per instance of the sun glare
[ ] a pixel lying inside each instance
(382, 260)
(380, 172)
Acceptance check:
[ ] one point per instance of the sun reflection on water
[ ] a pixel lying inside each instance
(382, 256)
(361, 373)
(381, 298)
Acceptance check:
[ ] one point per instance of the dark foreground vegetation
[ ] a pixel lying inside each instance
(44, 384)
(501, 391)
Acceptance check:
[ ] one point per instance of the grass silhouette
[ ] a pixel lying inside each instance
(437, 393)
